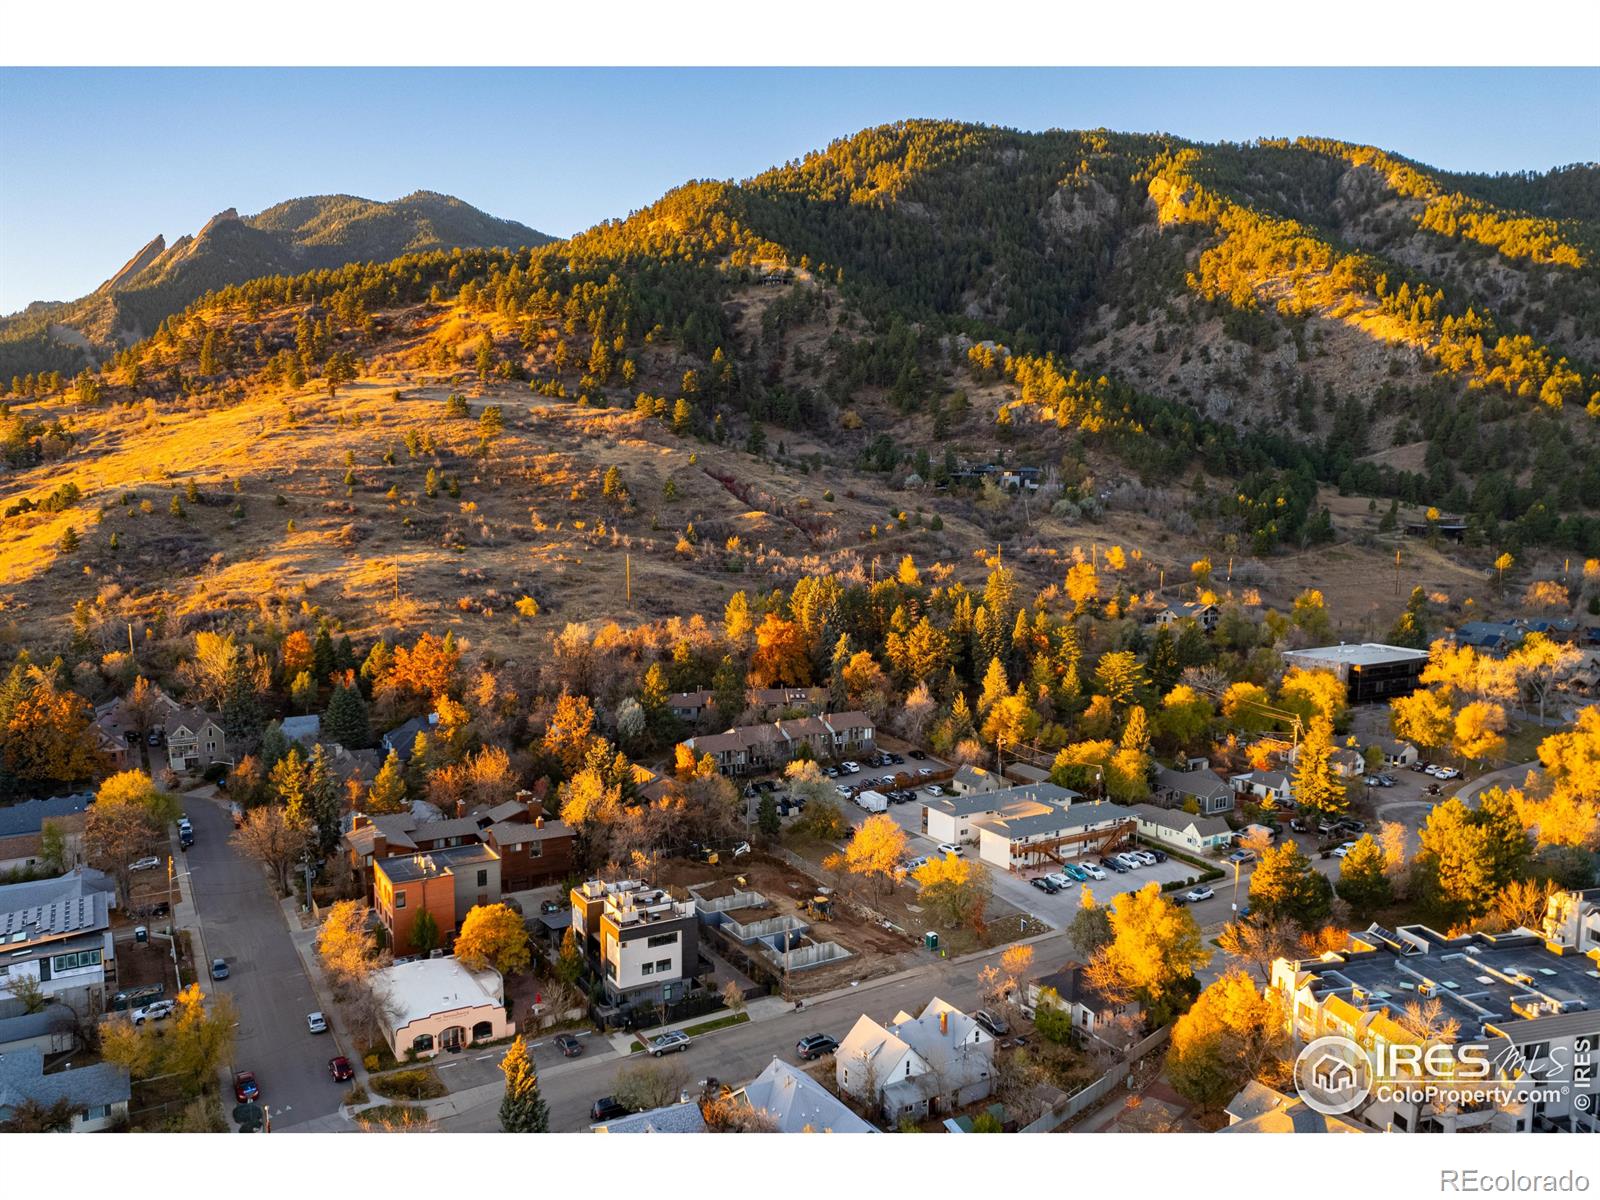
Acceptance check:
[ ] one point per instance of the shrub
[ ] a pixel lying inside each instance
(420, 1084)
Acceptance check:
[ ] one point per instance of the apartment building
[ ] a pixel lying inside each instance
(446, 883)
(757, 749)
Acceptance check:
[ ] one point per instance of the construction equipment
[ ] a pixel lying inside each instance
(820, 908)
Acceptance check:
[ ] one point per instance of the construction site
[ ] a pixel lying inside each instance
(777, 925)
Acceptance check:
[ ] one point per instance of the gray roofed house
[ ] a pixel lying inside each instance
(938, 1061)
(1090, 1010)
(969, 779)
(51, 1030)
(1178, 828)
(100, 1093)
(305, 730)
(674, 1118)
(403, 739)
(29, 816)
(798, 1103)
(1262, 1109)
(1204, 786)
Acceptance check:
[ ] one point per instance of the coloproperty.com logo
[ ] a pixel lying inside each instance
(1336, 1075)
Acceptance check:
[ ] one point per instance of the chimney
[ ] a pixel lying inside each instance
(944, 1022)
(361, 821)
(538, 822)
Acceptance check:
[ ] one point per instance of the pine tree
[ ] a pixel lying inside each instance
(346, 721)
(388, 791)
(323, 659)
(242, 711)
(322, 800)
(1316, 788)
(522, 1110)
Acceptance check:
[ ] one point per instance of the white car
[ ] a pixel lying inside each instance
(842, 789)
(851, 768)
(159, 1011)
(1059, 879)
(1145, 857)
(1092, 871)
(1448, 773)
(148, 863)
(947, 849)
(316, 1022)
(1341, 851)
(1195, 895)
(933, 789)
(1129, 861)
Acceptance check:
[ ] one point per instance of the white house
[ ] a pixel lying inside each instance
(437, 1004)
(1174, 827)
(937, 1062)
(1069, 988)
(969, 780)
(1032, 834)
(1264, 785)
(58, 932)
(797, 1103)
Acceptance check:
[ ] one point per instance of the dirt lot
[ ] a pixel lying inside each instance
(874, 950)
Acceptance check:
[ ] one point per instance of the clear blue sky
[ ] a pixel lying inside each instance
(97, 162)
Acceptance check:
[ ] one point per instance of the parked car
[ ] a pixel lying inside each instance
(924, 770)
(1341, 851)
(1044, 884)
(1195, 895)
(1059, 879)
(933, 789)
(845, 790)
(1159, 855)
(1385, 780)
(949, 848)
(1372, 781)
(1112, 864)
(1434, 789)
(1242, 856)
(669, 1043)
(158, 1011)
(815, 1046)
(569, 1046)
(316, 1022)
(1448, 773)
(1129, 861)
(1092, 871)
(1299, 826)
(341, 1070)
(919, 755)
(244, 1086)
(995, 1024)
(831, 772)
(551, 906)
(917, 863)
(1073, 872)
(1144, 856)
(219, 968)
(149, 863)
(607, 1109)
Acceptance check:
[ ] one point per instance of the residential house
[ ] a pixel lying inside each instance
(1205, 615)
(1069, 988)
(51, 1030)
(645, 944)
(306, 730)
(533, 852)
(969, 780)
(1369, 670)
(120, 730)
(1262, 1109)
(775, 702)
(1495, 638)
(403, 740)
(1572, 920)
(950, 818)
(1265, 785)
(1022, 772)
(99, 1094)
(1174, 827)
(1210, 793)
(447, 883)
(684, 1117)
(195, 740)
(757, 749)
(1031, 834)
(691, 706)
(1395, 752)
(22, 829)
(797, 1103)
(58, 933)
(938, 1062)
(437, 1004)
(1530, 1006)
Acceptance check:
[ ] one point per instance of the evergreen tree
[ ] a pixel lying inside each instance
(323, 658)
(242, 710)
(522, 1110)
(346, 721)
(322, 800)
(388, 791)
(1286, 885)
(1316, 788)
(1363, 883)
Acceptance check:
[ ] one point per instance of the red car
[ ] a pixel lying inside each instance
(341, 1070)
(244, 1086)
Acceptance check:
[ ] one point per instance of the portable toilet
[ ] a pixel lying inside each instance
(141, 934)
(930, 940)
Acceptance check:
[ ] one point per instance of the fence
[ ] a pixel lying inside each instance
(1076, 1103)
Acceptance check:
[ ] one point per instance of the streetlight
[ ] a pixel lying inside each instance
(1236, 865)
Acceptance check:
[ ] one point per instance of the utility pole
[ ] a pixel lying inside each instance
(627, 578)
(1397, 570)
(172, 922)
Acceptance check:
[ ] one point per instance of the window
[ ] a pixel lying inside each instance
(647, 969)
(483, 879)
(535, 849)
(72, 962)
(423, 1041)
(662, 939)
(98, 1113)
(664, 964)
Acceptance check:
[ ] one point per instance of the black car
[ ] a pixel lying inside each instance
(917, 754)
(815, 1046)
(1159, 855)
(1044, 885)
(1112, 864)
(996, 1025)
(551, 906)
(607, 1109)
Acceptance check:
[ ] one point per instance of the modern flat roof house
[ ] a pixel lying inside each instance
(645, 943)
(1370, 670)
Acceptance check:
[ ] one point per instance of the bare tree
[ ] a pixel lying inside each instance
(273, 839)
(649, 1085)
(1258, 943)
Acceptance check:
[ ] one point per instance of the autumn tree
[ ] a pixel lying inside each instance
(782, 658)
(1154, 951)
(1258, 941)
(875, 851)
(1423, 718)
(1466, 856)
(1231, 1034)
(493, 935)
(1477, 731)
(954, 889)
(275, 838)
(1565, 809)
(1090, 927)
(648, 1085)
(345, 944)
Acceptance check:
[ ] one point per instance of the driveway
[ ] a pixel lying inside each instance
(242, 922)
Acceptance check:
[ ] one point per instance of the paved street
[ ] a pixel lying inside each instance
(242, 922)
